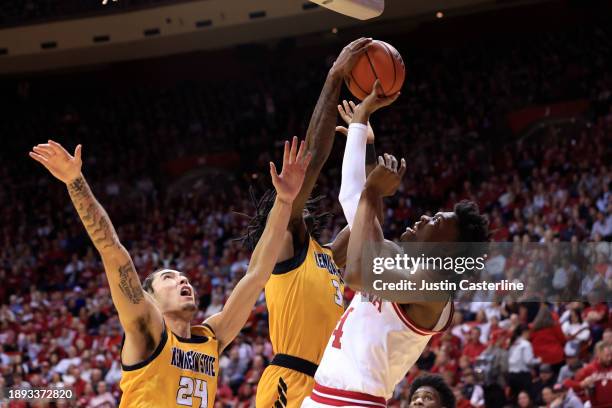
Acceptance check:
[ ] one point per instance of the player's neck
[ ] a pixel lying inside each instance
(178, 325)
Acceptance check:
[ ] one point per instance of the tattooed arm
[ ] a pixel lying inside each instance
(139, 317)
(320, 135)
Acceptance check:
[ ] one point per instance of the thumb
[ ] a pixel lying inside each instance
(77, 152)
(273, 172)
(378, 89)
(375, 88)
(342, 129)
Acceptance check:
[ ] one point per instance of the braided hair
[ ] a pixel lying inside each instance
(314, 219)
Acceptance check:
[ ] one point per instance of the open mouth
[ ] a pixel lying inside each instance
(186, 291)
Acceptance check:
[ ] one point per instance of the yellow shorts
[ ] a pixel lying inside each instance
(281, 387)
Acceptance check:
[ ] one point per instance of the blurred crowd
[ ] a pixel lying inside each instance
(58, 327)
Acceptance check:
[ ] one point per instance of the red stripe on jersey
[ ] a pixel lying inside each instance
(338, 403)
(358, 398)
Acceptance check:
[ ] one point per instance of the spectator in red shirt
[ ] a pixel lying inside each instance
(595, 380)
(548, 339)
(473, 347)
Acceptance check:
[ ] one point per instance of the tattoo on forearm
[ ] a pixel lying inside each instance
(92, 214)
(323, 121)
(78, 187)
(129, 285)
(319, 141)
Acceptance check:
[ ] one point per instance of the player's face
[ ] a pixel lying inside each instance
(173, 292)
(426, 397)
(442, 227)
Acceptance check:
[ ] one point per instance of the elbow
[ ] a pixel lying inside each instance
(258, 278)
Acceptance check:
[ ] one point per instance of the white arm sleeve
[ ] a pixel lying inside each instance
(353, 170)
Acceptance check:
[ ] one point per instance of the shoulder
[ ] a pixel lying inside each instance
(300, 250)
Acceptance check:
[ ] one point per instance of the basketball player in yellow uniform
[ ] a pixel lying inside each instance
(167, 362)
(304, 296)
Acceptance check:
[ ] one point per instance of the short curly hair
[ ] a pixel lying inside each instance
(473, 226)
(447, 398)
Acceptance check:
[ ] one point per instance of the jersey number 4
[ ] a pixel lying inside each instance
(337, 333)
(189, 388)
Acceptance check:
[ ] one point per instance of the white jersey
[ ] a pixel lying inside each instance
(372, 348)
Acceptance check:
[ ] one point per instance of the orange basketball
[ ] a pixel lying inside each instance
(381, 61)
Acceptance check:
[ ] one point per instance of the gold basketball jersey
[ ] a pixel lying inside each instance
(305, 300)
(181, 372)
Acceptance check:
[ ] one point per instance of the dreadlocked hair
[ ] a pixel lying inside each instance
(314, 220)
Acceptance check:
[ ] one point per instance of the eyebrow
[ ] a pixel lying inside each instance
(422, 393)
(168, 273)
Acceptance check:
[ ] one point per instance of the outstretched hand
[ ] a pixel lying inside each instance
(349, 56)
(347, 110)
(61, 164)
(289, 182)
(377, 99)
(385, 179)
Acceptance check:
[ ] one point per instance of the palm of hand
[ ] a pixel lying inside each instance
(384, 180)
(386, 177)
(289, 182)
(347, 111)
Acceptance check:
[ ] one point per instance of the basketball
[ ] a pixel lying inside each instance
(381, 61)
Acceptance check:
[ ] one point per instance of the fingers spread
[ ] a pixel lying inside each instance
(286, 153)
(292, 154)
(301, 152)
(347, 108)
(306, 160)
(387, 161)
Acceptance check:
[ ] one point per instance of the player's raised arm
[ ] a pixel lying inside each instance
(139, 317)
(367, 240)
(228, 323)
(322, 125)
(359, 160)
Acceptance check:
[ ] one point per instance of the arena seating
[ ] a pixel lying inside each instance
(57, 323)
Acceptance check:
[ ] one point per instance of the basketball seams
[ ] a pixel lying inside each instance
(372, 67)
(368, 66)
(353, 80)
(390, 54)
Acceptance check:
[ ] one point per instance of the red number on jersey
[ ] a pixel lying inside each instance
(338, 332)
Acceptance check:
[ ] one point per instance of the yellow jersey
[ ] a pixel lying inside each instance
(305, 299)
(180, 372)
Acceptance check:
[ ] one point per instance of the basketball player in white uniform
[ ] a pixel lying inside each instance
(376, 341)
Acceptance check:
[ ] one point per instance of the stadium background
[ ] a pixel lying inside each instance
(505, 103)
